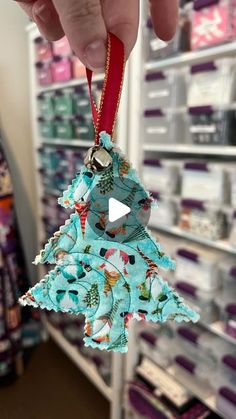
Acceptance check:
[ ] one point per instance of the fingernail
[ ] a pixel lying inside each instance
(95, 54)
(44, 13)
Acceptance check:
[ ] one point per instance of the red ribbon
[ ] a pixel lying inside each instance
(104, 118)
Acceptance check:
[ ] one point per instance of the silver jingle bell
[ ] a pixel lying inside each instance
(97, 159)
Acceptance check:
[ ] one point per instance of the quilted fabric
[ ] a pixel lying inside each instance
(109, 275)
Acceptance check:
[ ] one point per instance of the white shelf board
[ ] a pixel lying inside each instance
(193, 57)
(185, 381)
(70, 143)
(221, 245)
(192, 149)
(68, 84)
(88, 369)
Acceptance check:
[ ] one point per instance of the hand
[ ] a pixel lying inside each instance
(86, 22)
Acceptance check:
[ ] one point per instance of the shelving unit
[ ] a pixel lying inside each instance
(129, 127)
(82, 363)
(113, 394)
(137, 150)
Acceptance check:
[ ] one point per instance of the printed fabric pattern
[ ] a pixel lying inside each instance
(109, 275)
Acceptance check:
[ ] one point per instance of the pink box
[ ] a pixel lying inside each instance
(213, 22)
(43, 49)
(61, 69)
(44, 73)
(79, 69)
(62, 47)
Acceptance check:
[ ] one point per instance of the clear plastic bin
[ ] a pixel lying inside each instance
(202, 345)
(160, 176)
(212, 127)
(226, 402)
(228, 370)
(61, 69)
(165, 213)
(64, 128)
(198, 267)
(203, 182)
(46, 105)
(212, 84)
(46, 128)
(165, 89)
(202, 302)
(63, 103)
(232, 237)
(200, 372)
(81, 102)
(233, 188)
(43, 49)
(44, 73)
(163, 127)
(209, 223)
(228, 277)
(83, 128)
(62, 47)
(227, 306)
(155, 347)
(212, 23)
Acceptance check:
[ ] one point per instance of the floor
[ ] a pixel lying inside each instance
(52, 388)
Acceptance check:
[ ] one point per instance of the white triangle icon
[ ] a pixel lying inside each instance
(117, 210)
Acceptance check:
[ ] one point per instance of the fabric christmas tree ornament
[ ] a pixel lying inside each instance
(109, 271)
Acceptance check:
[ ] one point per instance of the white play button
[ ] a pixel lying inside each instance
(117, 210)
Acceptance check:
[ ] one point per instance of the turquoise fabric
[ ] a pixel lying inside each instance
(112, 276)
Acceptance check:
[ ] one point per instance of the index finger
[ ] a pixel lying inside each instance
(164, 15)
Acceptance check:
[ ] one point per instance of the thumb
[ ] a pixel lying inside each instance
(83, 23)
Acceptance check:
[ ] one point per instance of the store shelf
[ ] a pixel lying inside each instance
(191, 149)
(176, 231)
(193, 57)
(71, 143)
(68, 84)
(88, 369)
(190, 385)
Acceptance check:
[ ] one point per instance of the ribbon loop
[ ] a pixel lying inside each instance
(104, 118)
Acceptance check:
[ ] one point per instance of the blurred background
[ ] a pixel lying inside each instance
(177, 124)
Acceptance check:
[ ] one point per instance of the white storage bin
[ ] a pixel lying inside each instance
(203, 182)
(201, 344)
(162, 127)
(226, 402)
(228, 277)
(156, 347)
(228, 370)
(199, 372)
(212, 83)
(198, 267)
(232, 237)
(165, 89)
(200, 301)
(165, 213)
(233, 188)
(202, 221)
(160, 176)
(227, 307)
